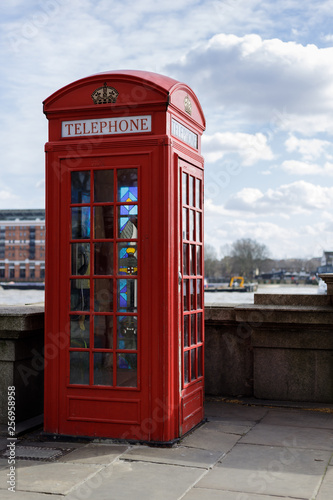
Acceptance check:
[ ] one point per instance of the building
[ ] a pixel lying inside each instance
(22, 245)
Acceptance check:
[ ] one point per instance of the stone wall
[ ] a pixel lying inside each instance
(279, 348)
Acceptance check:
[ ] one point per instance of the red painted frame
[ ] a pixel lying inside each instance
(161, 409)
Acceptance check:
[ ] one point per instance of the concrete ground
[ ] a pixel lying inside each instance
(242, 452)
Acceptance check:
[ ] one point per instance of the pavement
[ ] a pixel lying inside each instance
(243, 451)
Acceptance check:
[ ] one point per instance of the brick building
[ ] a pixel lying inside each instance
(22, 245)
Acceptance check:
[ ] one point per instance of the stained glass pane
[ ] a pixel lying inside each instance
(185, 259)
(80, 217)
(185, 190)
(103, 368)
(80, 253)
(103, 295)
(199, 327)
(127, 258)
(103, 222)
(191, 189)
(186, 330)
(193, 329)
(128, 222)
(80, 331)
(127, 332)
(126, 370)
(193, 375)
(103, 258)
(127, 295)
(199, 354)
(79, 367)
(103, 185)
(103, 332)
(80, 295)
(186, 374)
(199, 265)
(127, 185)
(80, 187)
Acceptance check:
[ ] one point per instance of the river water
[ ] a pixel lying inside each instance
(11, 297)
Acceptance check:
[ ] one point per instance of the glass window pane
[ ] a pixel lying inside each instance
(192, 225)
(193, 329)
(193, 375)
(127, 184)
(103, 185)
(198, 227)
(127, 332)
(103, 295)
(186, 330)
(103, 258)
(199, 327)
(80, 187)
(103, 332)
(80, 253)
(127, 370)
(186, 295)
(185, 259)
(192, 294)
(128, 222)
(192, 260)
(199, 294)
(127, 295)
(199, 264)
(80, 331)
(185, 224)
(198, 193)
(80, 217)
(79, 368)
(191, 189)
(80, 295)
(127, 258)
(186, 374)
(199, 354)
(185, 189)
(103, 368)
(103, 222)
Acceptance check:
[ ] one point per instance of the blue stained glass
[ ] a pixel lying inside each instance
(128, 193)
(128, 221)
(123, 293)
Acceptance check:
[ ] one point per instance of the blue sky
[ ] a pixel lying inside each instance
(262, 71)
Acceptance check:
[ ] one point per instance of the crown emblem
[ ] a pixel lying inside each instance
(188, 105)
(104, 95)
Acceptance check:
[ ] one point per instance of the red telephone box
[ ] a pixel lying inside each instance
(124, 258)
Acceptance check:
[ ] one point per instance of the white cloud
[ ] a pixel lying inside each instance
(309, 149)
(251, 147)
(296, 167)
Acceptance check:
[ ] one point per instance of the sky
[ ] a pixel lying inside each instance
(262, 71)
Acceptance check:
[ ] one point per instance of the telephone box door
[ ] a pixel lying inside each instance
(104, 376)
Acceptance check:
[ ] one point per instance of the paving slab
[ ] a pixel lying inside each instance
(269, 470)
(140, 481)
(234, 413)
(295, 437)
(209, 494)
(326, 488)
(299, 418)
(55, 478)
(94, 454)
(182, 455)
(210, 436)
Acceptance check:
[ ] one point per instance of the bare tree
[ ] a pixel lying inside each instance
(248, 255)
